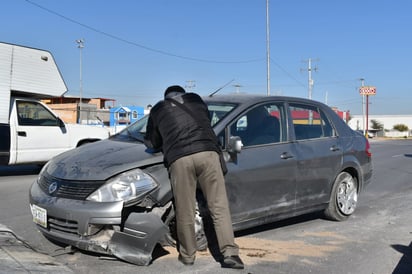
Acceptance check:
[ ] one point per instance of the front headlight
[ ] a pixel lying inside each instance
(42, 172)
(128, 186)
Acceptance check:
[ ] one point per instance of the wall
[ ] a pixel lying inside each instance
(388, 121)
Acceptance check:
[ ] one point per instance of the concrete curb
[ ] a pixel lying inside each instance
(16, 256)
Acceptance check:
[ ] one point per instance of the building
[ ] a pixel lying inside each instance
(123, 116)
(345, 115)
(388, 121)
(95, 111)
(91, 111)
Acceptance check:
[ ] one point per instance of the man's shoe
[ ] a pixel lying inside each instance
(185, 262)
(232, 262)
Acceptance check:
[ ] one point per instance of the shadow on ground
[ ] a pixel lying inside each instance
(405, 264)
(20, 170)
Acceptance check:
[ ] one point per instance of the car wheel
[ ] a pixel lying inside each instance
(344, 197)
(171, 236)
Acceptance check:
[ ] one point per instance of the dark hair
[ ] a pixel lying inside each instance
(176, 88)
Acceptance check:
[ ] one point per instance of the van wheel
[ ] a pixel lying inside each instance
(171, 236)
(81, 143)
(344, 197)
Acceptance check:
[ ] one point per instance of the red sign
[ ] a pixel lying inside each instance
(367, 90)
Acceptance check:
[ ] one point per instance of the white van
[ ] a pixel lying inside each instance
(29, 131)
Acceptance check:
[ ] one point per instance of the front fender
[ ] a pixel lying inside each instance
(141, 233)
(164, 192)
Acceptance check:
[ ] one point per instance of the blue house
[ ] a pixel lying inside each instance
(123, 116)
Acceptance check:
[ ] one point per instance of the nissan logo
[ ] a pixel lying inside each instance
(52, 187)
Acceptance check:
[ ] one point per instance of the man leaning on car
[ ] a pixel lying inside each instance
(190, 151)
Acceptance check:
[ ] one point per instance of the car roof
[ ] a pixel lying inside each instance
(246, 98)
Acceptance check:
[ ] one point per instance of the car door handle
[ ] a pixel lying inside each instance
(285, 155)
(334, 148)
(22, 133)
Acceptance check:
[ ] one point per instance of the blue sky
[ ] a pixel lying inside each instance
(135, 49)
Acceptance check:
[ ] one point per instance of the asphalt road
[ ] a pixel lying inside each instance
(376, 239)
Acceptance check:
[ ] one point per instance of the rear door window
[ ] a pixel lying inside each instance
(310, 122)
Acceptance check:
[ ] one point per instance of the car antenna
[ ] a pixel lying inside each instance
(216, 91)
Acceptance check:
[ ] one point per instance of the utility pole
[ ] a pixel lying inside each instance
(237, 86)
(191, 84)
(267, 49)
(80, 43)
(310, 80)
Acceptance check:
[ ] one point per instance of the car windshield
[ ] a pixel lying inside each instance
(219, 110)
(137, 130)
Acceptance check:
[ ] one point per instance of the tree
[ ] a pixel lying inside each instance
(375, 124)
(400, 127)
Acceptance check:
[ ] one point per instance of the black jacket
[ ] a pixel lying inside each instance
(172, 130)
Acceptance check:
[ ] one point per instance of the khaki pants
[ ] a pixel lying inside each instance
(203, 168)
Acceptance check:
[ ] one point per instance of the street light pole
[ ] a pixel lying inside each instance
(267, 49)
(80, 43)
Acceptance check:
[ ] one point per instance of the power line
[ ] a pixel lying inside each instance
(115, 37)
(287, 73)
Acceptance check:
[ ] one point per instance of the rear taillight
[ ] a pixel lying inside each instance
(367, 149)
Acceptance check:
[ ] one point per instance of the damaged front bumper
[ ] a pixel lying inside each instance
(98, 227)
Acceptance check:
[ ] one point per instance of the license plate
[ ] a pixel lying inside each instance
(39, 215)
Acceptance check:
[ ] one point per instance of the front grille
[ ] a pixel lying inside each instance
(79, 190)
(65, 226)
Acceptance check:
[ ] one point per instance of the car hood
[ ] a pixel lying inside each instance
(101, 160)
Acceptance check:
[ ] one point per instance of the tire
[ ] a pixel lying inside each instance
(344, 197)
(171, 236)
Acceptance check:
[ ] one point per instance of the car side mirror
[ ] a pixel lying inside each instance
(235, 145)
(60, 122)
